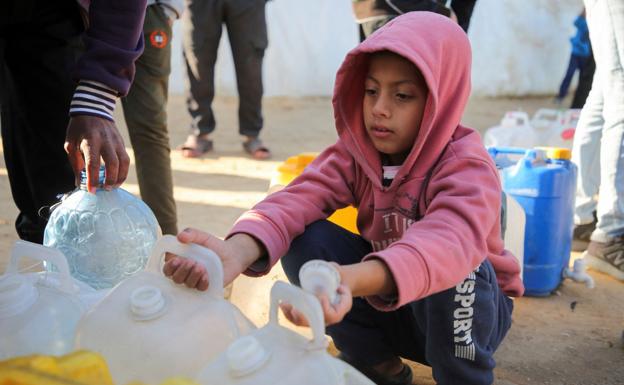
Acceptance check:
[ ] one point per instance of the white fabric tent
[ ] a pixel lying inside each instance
(520, 47)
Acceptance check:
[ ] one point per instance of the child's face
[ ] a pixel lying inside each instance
(394, 100)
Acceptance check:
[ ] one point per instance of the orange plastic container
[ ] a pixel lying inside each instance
(292, 168)
(78, 368)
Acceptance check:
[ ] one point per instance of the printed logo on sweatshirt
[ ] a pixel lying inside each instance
(407, 205)
(159, 38)
(394, 223)
(397, 219)
(463, 316)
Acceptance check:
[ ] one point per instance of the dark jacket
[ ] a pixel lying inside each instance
(113, 37)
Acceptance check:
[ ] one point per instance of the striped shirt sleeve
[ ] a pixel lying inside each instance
(94, 99)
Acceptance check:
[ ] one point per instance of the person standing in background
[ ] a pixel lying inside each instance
(581, 51)
(463, 11)
(247, 32)
(598, 148)
(586, 76)
(145, 111)
(373, 14)
(42, 59)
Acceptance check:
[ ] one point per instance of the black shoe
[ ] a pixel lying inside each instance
(582, 233)
(404, 377)
(607, 257)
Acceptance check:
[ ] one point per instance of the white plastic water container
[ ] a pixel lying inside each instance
(515, 222)
(547, 123)
(565, 134)
(275, 355)
(514, 130)
(513, 215)
(148, 328)
(547, 128)
(38, 311)
(545, 118)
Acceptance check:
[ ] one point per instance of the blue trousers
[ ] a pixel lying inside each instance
(576, 63)
(455, 331)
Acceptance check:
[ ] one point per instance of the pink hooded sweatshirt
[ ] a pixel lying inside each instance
(440, 217)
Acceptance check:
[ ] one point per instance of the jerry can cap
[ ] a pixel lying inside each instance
(557, 153)
(320, 276)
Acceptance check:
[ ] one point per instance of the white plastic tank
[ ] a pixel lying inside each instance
(149, 328)
(547, 128)
(546, 118)
(38, 311)
(515, 221)
(513, 130)
(564, 135)
(275, 355)
(512, 214)
(548, 123)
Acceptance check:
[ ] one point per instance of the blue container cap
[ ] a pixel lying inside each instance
(101, 178)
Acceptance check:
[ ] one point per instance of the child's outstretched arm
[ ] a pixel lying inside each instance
(361, 279)
(236, 253)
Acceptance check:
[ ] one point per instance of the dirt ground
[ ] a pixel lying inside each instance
(575, 336)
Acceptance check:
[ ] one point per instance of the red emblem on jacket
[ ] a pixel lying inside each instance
(159, 38)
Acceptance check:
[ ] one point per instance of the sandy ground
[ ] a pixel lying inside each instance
(572, 337)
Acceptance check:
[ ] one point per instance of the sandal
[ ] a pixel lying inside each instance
(254, 147)
(404, 377)
(196, 146)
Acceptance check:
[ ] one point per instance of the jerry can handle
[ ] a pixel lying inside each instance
(494, 151)
(210, 260)
(533, 154)
(45, 254)
(304, 302)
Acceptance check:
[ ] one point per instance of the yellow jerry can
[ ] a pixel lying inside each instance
(292, 168)
(77, 368)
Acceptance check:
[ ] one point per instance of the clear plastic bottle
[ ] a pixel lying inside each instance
(106, 236)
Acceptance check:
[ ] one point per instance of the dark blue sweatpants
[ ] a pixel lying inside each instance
(455, 331)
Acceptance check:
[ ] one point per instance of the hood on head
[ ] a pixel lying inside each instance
(439, 48)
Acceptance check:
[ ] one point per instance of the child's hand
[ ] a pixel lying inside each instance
(187, 271)
(236, 254)
(333, 314)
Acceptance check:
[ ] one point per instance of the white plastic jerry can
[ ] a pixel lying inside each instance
(276, 355)
(148, 328)
(548, 125)
(38, 311)
(515, 221)
(514, 130)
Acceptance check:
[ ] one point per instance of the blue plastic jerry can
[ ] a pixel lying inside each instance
(543, 181)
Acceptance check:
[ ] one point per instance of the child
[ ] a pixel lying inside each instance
(429, 274)
(581, 50)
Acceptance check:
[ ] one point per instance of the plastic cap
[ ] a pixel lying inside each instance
(557, 153)
(17, 294)
(318, 276)
(147, 303)
(245, 356)
(101, 177)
